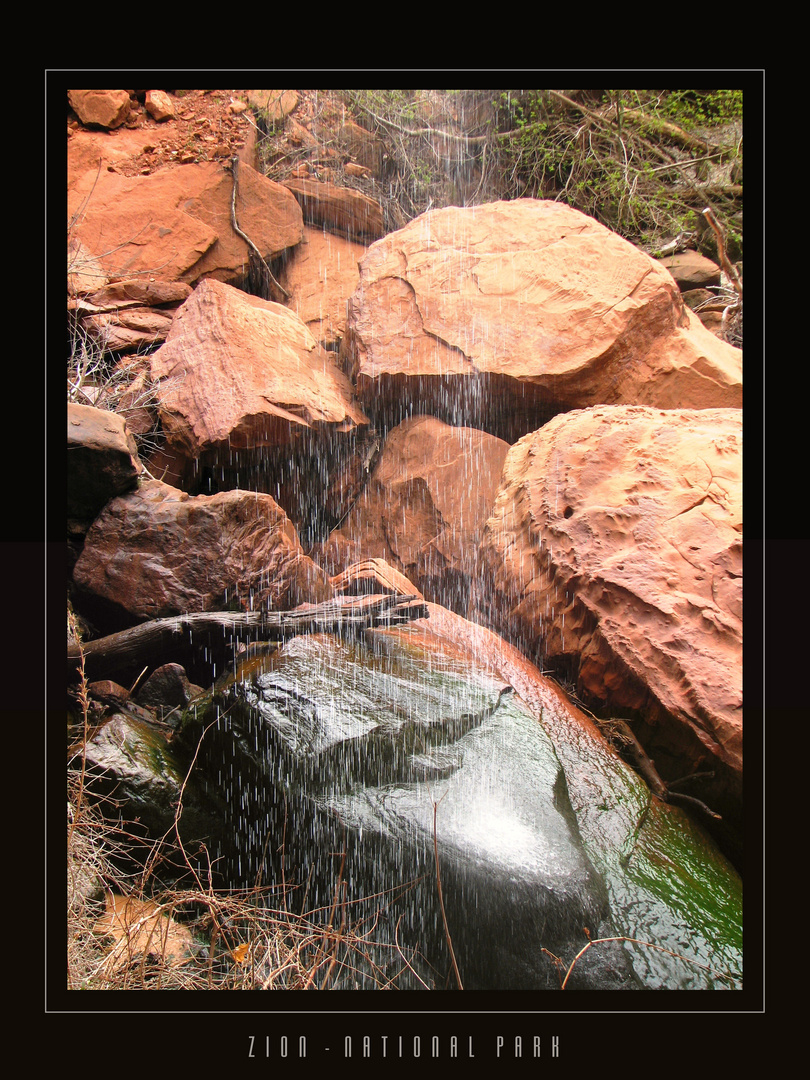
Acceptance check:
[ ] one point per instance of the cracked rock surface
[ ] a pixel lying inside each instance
(502, 316)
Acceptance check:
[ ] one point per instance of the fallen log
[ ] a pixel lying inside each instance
(206, 635)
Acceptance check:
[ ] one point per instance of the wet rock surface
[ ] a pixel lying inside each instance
(130, 763)
(387, 752)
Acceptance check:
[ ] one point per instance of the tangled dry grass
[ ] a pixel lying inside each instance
(128, 930)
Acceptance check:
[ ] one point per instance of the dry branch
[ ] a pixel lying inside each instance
(725, 262)
(262, 262)
(646, 768)
(164, 640)
(666, 129)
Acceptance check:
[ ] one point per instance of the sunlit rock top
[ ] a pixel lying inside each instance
(505, 314)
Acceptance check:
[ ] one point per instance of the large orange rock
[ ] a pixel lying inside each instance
(502, 315)
(176, 223)
(614, 553)
(424, 508)
(241, 373)
(157, 552)
(249, 399)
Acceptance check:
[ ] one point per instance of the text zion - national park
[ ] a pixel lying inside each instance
(412, 1047)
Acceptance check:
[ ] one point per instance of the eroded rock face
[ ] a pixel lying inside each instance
(176, 223)
(424, 507)
(503, 315)
(159, 552)
(615, 551)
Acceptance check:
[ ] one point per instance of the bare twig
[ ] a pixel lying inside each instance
(725, 976)
(235, 170)
(725, 262)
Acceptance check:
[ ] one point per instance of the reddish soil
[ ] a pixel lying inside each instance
(208, 125)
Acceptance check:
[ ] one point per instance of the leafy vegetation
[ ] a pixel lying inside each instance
(643, 162)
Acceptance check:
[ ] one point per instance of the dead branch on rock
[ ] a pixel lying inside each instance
(731, 322)
(727, 977)
(643, 762)
(264, 268)
(645, 766)
(434, 132)
(161, 640)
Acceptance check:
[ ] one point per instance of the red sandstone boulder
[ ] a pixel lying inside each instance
(614, 553)
(136, 292)
(424, 507)
(100, 108)
(239, 376)
(128, 329)
(339, 209)
(176, 223)
(159, 105)
(158, 552)
(124, 316)
(502, 315)
(272, 105)
(691, 270)
(320, 276)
